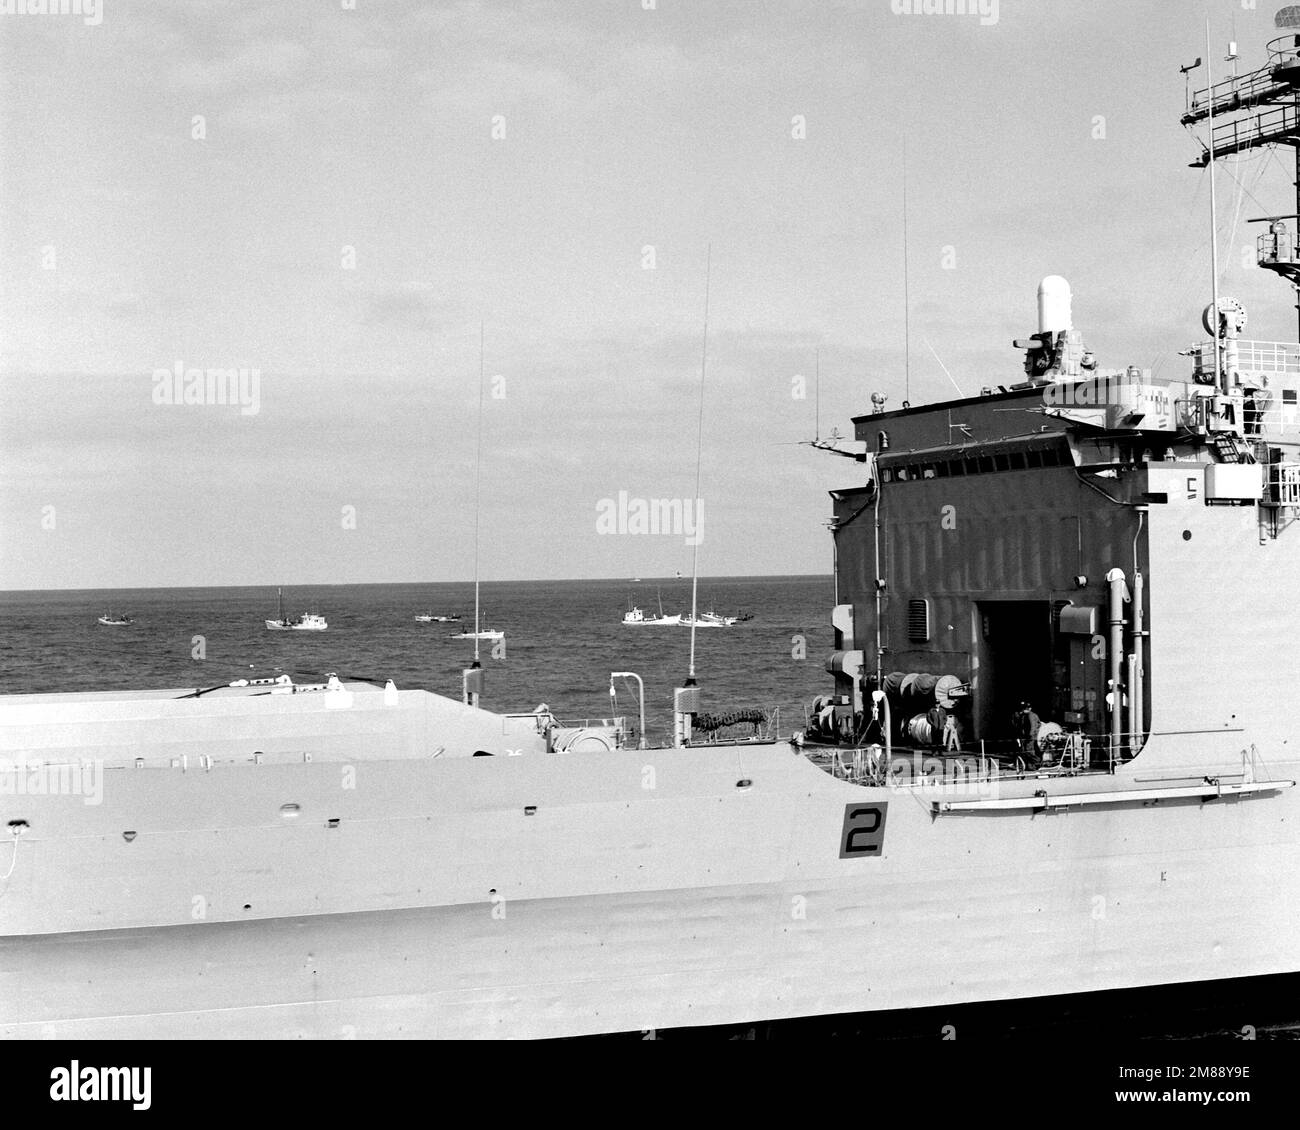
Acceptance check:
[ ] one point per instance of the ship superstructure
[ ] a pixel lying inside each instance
(1040, 548)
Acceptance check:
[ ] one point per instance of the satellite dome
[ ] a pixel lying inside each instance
(1054, 301)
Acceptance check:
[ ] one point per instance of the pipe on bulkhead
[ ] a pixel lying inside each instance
(882, 701)
(880, 584)
(1137, 682)
(1130, 681)
(1137, 685)
(1115, 579)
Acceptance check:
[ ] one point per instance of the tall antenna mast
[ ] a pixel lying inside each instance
(699, 454)
(1214, 222)
(478, 477)
(907, 301)
(817, 396)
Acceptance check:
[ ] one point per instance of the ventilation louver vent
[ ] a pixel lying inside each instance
(918, 620)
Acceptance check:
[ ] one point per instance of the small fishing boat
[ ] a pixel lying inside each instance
(431, 619)
(483, 634)
(115, 621)
(637, 616)
(705, 620)
(307, 622)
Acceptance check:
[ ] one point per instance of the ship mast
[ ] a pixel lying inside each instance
(1253, 110)
(907, 296)
(686, 698)
(1214, 230)
(472, 676)
(699, 453)
(478, 476)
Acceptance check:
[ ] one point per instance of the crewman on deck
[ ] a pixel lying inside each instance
(1025, 726)
(951, 737)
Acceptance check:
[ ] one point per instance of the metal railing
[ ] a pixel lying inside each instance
(1262, 128)
(1270, 358)
(1284, 484)
(1276, 249)
(1234, 93)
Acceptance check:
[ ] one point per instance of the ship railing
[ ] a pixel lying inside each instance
(1258, 424)
(585, 723)
(1281, 50)
(1274, 248)
(1270, 358)
(1261, 128)
(1238, 89)
(1076, 754)
(1283, 488)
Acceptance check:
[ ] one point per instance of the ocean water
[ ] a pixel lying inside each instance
(563, 638)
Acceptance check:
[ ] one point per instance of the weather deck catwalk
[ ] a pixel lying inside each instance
(1057, 755)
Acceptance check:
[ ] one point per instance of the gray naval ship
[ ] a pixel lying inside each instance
(1058, 755)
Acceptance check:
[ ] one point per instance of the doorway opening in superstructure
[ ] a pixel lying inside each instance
(1015, 664)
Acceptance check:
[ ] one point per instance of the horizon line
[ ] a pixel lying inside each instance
(378, 584)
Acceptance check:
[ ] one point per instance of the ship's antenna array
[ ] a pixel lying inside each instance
(1214, 219)
(1256, 110)
(817, 395)
(907, 298)
(478, 477)
(699, 455)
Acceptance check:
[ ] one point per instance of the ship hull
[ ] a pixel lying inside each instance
(439, 906)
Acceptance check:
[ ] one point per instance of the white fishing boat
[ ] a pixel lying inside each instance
(637, 616)
(112, 620)
(307, 622)
(717, 619)
(704, 620)
(430, 619)
(481, 634)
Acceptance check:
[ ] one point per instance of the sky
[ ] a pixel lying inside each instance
(341, 197)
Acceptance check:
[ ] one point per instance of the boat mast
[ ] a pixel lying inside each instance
(478, 475)
(699, 453)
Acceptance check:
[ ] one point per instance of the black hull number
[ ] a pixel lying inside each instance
(864, 831)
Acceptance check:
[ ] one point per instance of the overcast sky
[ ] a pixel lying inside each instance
(510, 163)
